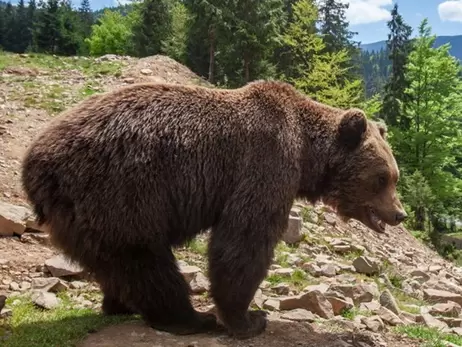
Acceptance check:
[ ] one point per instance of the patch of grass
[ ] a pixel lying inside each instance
(63, 326)
(88, 66)
(282, 259)
(198, 246)
(297, 280)
(431, 336)
(88, 90)
(353, 312)
(352, 255)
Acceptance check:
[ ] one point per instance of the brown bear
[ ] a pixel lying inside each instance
(125, 176)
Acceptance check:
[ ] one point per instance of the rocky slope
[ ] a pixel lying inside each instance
(326, 276)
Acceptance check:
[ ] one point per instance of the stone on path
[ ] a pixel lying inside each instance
(61, 266)
(45, 300)
(299, 315)
(387, 300)
(293, 233)
(14, 219)
(366, 265)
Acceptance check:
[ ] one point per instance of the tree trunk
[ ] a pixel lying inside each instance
(420, 218)
(211, 53)
(246, 68)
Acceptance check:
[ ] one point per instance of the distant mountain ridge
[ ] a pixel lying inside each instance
(454, 41)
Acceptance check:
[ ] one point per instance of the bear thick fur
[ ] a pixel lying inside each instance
(125, 176)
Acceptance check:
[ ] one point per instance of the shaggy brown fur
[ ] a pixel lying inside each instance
(124, 176)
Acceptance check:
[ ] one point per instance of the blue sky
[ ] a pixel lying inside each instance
(369, 17)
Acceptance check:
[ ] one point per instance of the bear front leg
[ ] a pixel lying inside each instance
(240, 252)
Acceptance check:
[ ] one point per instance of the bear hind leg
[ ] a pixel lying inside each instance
(149, 283)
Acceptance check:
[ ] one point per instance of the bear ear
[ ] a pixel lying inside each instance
(382, 129)
(352, 128)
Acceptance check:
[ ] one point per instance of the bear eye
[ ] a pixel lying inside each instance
(382, 180)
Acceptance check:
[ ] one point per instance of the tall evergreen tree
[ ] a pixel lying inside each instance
(31, 18)
(205, 30)
(69, 38)
(253, 29)
(9, 22)
(47, 29)
(318, 71)
(399, 47)
(153, 27)
(334, 27)
(86, 18)
(21, 29)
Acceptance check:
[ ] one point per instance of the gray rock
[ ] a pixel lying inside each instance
(188, 271)
(48, 284)
(313, 301)
(293, 233)
(441, 296)
(366, 265)
(272, 304)
(61, 266)
(45, 300)
(299, 315)
(14, 219)
(389, 317)
(328, 270)
(281, 289)
(199, 284)
(449, 309)
(373, 323)
(387, 300)
(285, 272)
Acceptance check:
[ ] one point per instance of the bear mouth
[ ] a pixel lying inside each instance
(374, 222)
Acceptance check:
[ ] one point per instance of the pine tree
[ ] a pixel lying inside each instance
(253, 29)
(2, 26)
(21, 29)
(69, 38)
(47, 29)
(86, 18)
(9, 22)
(319, 72)
(399, 47)
(31, 18)
(334, 27)
(153, 28)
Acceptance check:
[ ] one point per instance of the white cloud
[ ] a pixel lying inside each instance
(450, 10)
(367, 11)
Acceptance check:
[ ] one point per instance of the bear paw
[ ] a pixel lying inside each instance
(255, 325)
(203, 322)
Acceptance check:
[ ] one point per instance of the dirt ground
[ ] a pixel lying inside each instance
(278, 334)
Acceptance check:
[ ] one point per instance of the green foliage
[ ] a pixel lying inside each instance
(318, 73)
(426, 148)
(175, 45)
(398, 47)
(111, 35)
(151, 27)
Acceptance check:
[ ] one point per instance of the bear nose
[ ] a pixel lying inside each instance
(401, 216)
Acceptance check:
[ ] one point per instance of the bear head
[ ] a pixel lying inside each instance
(363, 173)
